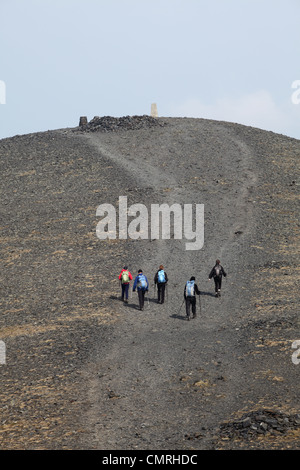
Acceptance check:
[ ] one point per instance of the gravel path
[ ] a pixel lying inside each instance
(111, 376)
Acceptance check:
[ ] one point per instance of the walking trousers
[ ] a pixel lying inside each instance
(125, 289)
(141, 294)
(218, 283)
(161, 292)
(190, 302)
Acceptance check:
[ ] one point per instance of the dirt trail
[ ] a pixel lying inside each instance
(162, 381)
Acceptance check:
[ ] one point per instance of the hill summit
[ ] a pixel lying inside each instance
(85, 370)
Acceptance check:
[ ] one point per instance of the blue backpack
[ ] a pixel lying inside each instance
(142, 283)
(161, 276)
(190, 288)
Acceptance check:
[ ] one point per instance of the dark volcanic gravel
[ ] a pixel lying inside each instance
(85, 371)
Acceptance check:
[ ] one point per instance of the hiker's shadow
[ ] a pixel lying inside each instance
(133, 306)
(130, 304)
(153, 300)
(209, 294)
(178, 317)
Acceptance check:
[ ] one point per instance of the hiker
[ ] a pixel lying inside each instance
(161, 279)
(190, 291)
(216, 273)
(125, 277)
(142, 285)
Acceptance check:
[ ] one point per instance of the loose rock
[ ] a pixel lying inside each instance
(258, 422)
(114, 124)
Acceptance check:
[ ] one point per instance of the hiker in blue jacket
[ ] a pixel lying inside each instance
(142, 285)
(190, 291)
(161, 279)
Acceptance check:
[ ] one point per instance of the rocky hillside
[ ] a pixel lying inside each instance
(84, 370)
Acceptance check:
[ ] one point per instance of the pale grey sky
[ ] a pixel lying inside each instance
(232, 60)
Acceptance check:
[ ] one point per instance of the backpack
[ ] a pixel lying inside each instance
(125, 277)
(161, 276)
(218, 270)
(142, 283)
(190, 288)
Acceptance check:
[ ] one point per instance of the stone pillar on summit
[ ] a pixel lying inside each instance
(154, 112)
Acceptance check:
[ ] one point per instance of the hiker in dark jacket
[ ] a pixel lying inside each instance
(190, 297)
(216, 273)
(142, 285)
(161, 279)
(125, 277)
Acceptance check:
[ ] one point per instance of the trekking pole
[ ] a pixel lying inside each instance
(200, 302)
(180, 307)
(147, 298)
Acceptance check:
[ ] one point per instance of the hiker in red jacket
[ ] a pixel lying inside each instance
(125, 277)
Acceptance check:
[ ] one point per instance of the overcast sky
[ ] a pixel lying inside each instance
(231, 60)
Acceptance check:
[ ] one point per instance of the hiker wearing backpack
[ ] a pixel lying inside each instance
(142, 285)
(161, 279)
(216, 273)
(190, 291)
(125, 277)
